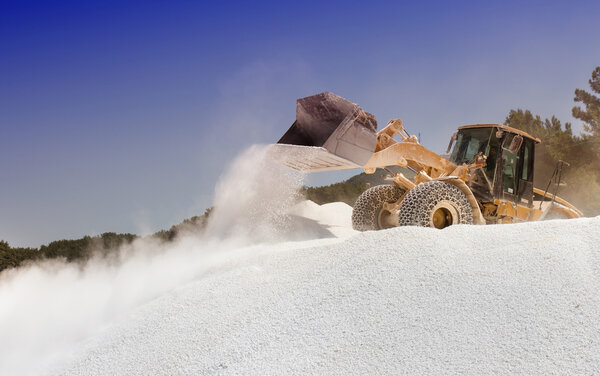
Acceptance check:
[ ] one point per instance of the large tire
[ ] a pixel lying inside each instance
(369, 213)
(435, 204)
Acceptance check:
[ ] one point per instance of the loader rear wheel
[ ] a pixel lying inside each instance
(435, 204)
(371, 210)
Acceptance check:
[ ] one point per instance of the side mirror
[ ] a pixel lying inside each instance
(515, 145)
(452, 139)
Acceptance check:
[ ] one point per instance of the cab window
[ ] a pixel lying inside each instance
(470, 142)
(510, 163)
(527, 172)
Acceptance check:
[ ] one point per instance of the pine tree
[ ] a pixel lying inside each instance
(582, 178)
(591, 115)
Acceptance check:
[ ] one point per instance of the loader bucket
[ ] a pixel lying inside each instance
(330, 133)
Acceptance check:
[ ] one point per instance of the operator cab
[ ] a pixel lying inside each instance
(504, 161)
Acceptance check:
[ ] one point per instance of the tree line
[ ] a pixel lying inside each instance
(81, 250)
(582, 177)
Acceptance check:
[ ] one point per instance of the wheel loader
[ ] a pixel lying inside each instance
(487, 177)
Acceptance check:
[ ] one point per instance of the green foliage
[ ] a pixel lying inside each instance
(349, 190)
(556, 141)
(70, 250)
(84, 248)
(345, 192)
(582, 178)
(195, 224)
(111, 240)
(80, 250)
(13, 257)
(583, 188)
(591, 114)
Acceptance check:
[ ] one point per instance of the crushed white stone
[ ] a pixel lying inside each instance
(506, 299)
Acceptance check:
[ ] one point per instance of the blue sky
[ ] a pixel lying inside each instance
(120, 116)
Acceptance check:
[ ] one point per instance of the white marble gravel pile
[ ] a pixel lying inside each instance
(478, 300)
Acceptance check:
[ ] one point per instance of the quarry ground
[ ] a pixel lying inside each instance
(273, 288)
(467, 300)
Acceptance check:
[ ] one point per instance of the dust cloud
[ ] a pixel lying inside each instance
(48, 310)
(253, 199)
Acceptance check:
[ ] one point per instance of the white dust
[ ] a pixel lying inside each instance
(49, 309)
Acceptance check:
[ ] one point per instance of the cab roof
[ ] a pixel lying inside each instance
(504, 128)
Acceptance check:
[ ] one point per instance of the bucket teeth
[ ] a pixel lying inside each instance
(308, 158)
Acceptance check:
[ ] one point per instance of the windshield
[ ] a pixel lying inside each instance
(470, 142)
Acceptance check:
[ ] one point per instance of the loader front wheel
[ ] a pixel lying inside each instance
(435, 204)
(372, 208)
